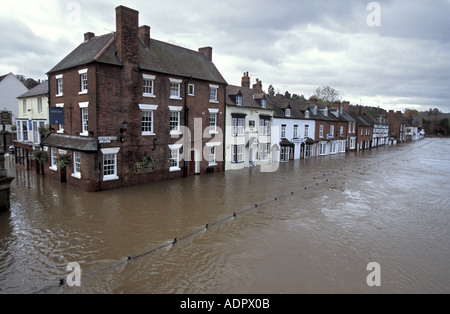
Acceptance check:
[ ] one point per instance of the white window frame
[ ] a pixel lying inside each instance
(84, 106)
(288, 113)
(295, 133)
(83, 81)
(213, 121)
(40, 107)
(148, 109)
(59, 85)
(341, 131)
(283, 130)
(24, 106)
(332, 130)
(214, 94)
(322, 148)
(239, 102)
(175, 156)
(191, 90)
(148, 90)
(264, 103)
(175, 89)
(238, 154)
(110, 152)
(306, 131)
(53, 158)
(353, 143)
(321, 131)
(175, 112)
(76, 165)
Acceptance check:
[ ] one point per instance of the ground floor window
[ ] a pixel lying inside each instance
(77, 165)
(285, 153)
(110, 164)
(264, 151)
(353, 143)
(238, 154)
(53, 159)
(212, 156)
(175, 157)
(322, 149)
(342, 146)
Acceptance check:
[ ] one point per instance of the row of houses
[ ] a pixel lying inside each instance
(124, 109)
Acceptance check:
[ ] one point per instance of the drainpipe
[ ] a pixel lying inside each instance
(186, 121)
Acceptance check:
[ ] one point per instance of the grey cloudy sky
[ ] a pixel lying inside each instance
(293, 45)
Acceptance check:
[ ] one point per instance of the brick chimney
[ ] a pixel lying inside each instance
(127, 31)
(207, 51)
(245, 80)
(258, 86)
(346, 106)
(88, 36)
(144, 33)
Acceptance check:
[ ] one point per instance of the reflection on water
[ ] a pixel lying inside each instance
(389, 205)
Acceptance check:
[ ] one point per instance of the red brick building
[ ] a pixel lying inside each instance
(120, 104)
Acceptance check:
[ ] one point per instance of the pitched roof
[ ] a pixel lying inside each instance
(41, 89)
(249, 97)
(160, 57)
(98, 49)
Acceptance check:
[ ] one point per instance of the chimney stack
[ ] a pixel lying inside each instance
(207, 51)
(246, 80)
(88, 36)
(127, 32)
(144, 32)
(346, 106)
(258, 86)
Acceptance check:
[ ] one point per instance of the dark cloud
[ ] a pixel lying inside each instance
(291, 44)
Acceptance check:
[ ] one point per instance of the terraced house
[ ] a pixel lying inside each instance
(249, 126)
(127, 109)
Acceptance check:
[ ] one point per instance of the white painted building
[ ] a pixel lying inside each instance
(248, 134)
(296, 130)
(10, 88)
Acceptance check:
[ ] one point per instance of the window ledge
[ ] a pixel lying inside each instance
(213, 102)
(148, 134)
(59, 95)
(83, 93)
(175, 169)
(53, 168)
(76, 175)
(149, 95)
(175, 98)
(111, 178)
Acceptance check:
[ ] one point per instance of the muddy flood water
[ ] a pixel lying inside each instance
(312, 227)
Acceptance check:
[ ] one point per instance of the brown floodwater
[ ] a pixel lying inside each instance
(390, 205)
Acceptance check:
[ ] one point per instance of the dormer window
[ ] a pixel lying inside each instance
(239, 101)
(263, 103)
(288, 112)
(307, 114)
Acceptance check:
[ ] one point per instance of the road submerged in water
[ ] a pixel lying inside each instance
(313, 226)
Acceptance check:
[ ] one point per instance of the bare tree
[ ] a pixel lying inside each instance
(327, 94)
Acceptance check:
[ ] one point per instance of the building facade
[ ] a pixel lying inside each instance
(11, 88)
(127, 109)
(249, 117)
(31, 124)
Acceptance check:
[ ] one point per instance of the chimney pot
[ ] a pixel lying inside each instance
(246, 80)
